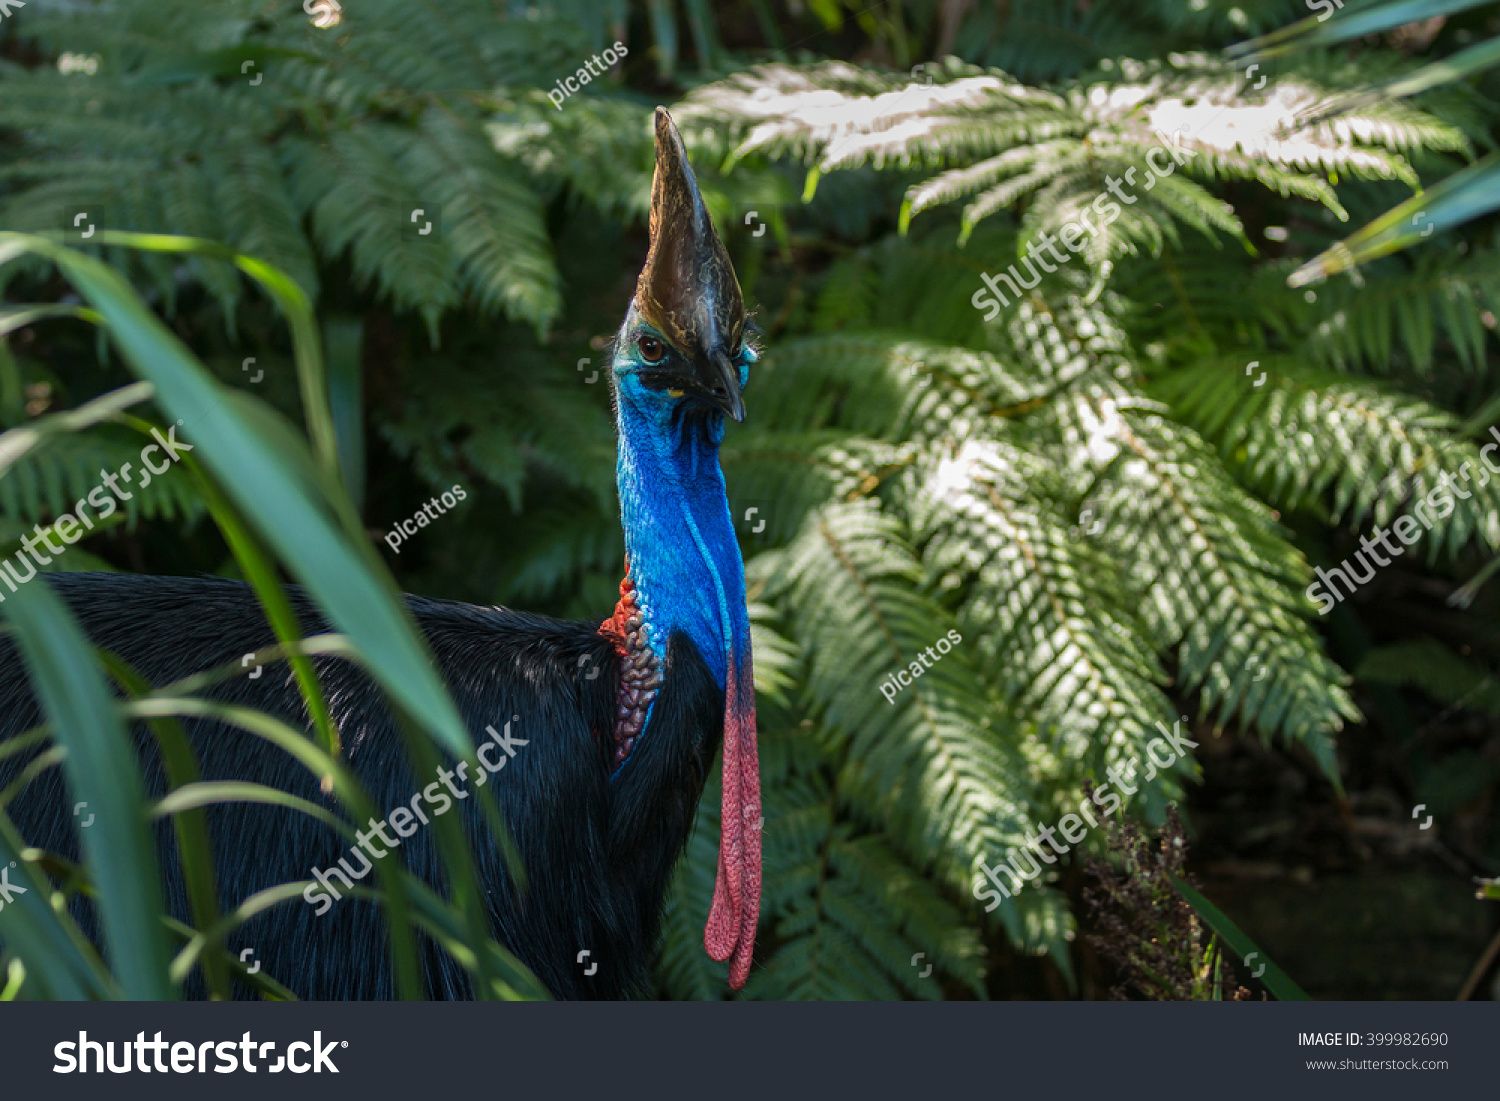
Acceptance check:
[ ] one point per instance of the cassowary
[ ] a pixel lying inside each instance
(600, 734)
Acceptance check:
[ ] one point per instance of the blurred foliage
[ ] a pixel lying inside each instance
(1115, 489)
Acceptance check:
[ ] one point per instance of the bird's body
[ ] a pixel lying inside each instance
(596, 736)
(572, 826)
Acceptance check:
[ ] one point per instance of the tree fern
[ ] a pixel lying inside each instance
(386, 126)
(1361, 451)
(925, 762)
(1007, 142)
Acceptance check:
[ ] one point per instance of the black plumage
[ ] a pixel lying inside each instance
(598, 853)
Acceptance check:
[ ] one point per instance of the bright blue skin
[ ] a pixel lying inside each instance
(684, 557)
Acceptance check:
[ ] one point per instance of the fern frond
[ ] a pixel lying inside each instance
(1435, 669)
(1358, 449)
(49, 480)
(1002, 141)
(931, 757)
(1221, 583)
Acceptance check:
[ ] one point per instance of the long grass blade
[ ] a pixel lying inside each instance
(1277, 981)
(103, 772)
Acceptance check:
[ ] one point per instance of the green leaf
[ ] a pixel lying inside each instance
(1354, 21)
(194, 843)
(61, 966)
(102, 772)
(294, 305)
(1275, 979)
(18, 441)
(1467, 194)
(1462, 65)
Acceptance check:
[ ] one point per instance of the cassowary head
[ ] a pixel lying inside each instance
(683, 342)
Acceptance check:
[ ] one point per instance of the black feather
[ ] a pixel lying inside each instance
(597, 852)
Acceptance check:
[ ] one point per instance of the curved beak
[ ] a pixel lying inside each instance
(720, 384)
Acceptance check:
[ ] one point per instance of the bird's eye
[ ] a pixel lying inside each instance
(652, 350)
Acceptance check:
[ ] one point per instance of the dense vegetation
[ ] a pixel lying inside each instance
(1114, 486)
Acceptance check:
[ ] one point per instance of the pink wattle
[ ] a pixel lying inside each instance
(730, 932)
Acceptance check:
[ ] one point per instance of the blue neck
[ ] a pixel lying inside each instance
(684, 558)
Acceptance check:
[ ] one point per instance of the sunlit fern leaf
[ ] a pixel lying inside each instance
(1000, 141)
(1360, 450)
(850, 574)
(1208, 569)
(986, 544)
(1222, 587)
(885, 118)
(1212, 581)
(1049, 614)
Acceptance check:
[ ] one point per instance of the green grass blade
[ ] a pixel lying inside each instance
(57, 966)
(1461, 66)
(18, 317)
(262, 576)
(200, 940)
(210, 792)
(103, 771)
(256, 980)
(194, 841)
(1277, 981)
(291, 300)
(1354, 21)
(1462, 197)
(19, 441)
(346, 788)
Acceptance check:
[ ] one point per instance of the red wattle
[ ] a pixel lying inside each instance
(730, 932)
